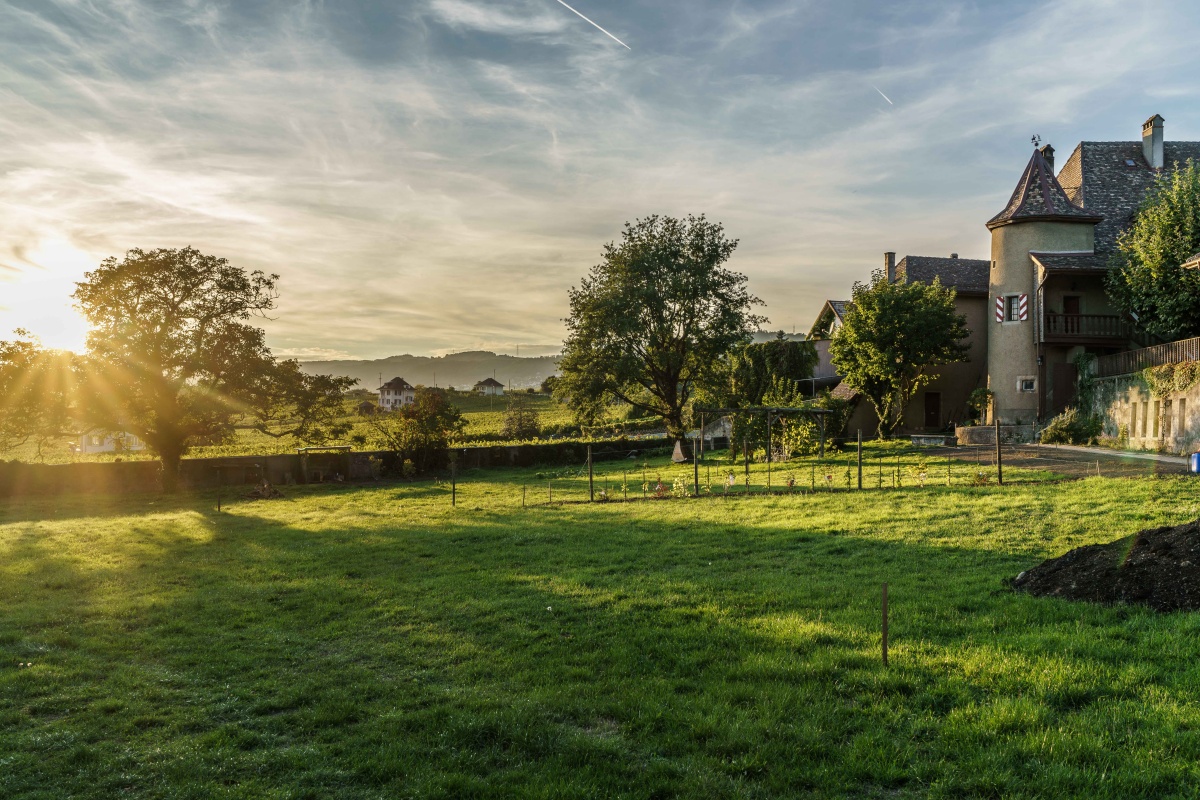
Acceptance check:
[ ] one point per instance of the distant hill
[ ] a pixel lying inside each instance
(460, 370)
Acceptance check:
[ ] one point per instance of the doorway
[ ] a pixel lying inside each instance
(1071, 311)
(933, 411)
(1062, 390)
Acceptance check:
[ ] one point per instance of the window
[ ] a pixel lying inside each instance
(1012, 308)
(1145, 413)
(1182, 417)
(1156, 418)
(1026, 385)
(1133, 420)
(1166, 418)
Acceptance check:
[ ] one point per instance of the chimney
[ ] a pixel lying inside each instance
(954, 255)
(1048, 153)
(1152, 141)
(889, 264)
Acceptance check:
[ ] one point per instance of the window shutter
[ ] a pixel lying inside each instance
(999, 309)
(1024, 307)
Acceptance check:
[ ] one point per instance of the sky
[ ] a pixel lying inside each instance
(430, 176)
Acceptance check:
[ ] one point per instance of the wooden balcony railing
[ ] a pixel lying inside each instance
(1136, 360)
(1085, 326)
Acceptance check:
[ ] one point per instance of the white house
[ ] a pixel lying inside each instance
(99, 442)
(396, 393)
(490, 386)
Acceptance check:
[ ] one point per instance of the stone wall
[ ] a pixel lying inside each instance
(1139, 420)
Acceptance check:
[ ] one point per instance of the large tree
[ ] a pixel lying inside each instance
(654, 318)
(172, 358)
(1146, 281)
(892, 339)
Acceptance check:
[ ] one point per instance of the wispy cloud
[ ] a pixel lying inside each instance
(435, 175)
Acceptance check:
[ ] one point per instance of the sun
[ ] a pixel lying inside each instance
(35, 291)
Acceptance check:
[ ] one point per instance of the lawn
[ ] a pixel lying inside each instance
(373, 641)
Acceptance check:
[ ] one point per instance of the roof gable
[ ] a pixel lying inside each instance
(964, 274)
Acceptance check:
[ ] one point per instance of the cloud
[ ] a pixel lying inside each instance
(434, 175)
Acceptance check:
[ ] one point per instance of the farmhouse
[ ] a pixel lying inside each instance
(489, 386)
(97, 441)
(1039, 301)
(396, 393)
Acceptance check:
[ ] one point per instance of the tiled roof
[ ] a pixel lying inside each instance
(397, 385)
(1039, 196)
(1071, 262)
(839, 308)
(490, 382)
(964, 274)
(1112, 179)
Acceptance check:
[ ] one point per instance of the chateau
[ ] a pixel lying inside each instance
(1039, 300)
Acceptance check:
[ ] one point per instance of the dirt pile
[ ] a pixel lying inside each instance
(1159, 568)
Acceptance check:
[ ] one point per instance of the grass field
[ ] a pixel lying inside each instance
(484, 417)
(368, 642)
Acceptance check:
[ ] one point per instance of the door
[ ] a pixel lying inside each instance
(1071, 313)
(933, 411)
(1063, 387)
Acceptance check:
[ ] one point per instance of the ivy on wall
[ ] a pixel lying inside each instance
(1171, 378)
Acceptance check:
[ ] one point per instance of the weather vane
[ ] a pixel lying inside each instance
(1035, 139)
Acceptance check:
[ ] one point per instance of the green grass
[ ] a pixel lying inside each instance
(375, 642)
(484, 417)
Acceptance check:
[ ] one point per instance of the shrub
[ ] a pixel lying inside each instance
(1072, 427)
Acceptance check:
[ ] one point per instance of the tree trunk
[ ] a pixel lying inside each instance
(170, 457)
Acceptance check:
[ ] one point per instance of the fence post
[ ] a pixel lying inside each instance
(999, 463)
(591, 485)
(860, 458)
(821, 417)
(453, 484)
(522, 495)
(696, 464)
(885, 624)
(549, 492)
(625, 485)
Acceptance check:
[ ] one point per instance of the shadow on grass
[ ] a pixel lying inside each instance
(588, 651)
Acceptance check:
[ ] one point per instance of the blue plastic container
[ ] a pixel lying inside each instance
(1194, 463)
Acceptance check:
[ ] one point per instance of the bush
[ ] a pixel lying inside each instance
(1072, 427)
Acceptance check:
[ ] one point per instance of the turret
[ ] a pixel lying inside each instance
(1039, 218)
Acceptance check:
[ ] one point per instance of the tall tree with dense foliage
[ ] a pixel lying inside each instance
(654, 319)
(1146, 281)
(893, 337)
(172, 358)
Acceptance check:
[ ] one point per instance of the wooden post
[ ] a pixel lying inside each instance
(813, 486)
(625, 485)
(696, 463)
(860, 458)
(591, 484)
(881, 472)
(768, 452)
(885, 624)
(999, 463)
(549, 492)
(643, 483)
(947, 470)
(453, 484)
(821, 453)
(522, 495)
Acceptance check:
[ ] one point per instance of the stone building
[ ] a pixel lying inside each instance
(1039, 300)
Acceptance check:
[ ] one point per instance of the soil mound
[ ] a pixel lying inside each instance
(1159, 568)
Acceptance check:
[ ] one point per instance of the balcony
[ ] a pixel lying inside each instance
(1083, 328)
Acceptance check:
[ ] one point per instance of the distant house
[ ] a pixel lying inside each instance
(99, 442)
(395, 394)
(489, 386)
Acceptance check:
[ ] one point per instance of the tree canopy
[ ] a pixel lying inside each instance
(654, 318)
(172, 358)
(1146, 281)
(892, 337)
(36, 392)
(421, 430)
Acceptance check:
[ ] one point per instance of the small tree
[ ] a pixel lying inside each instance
(1146, 281)
(171, 358)
(36, 392)
(892, 337)
(757, 372)
(420, 431)
(653, 319)
(521, 420)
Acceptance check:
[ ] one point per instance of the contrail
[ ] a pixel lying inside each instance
(606, 33)
(873, 86)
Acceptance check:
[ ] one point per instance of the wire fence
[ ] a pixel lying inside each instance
(630, 478)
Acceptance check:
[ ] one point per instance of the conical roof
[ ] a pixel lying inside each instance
(1039, 196)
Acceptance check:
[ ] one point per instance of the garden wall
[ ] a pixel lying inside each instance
(20, 479)
(1164, 417)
